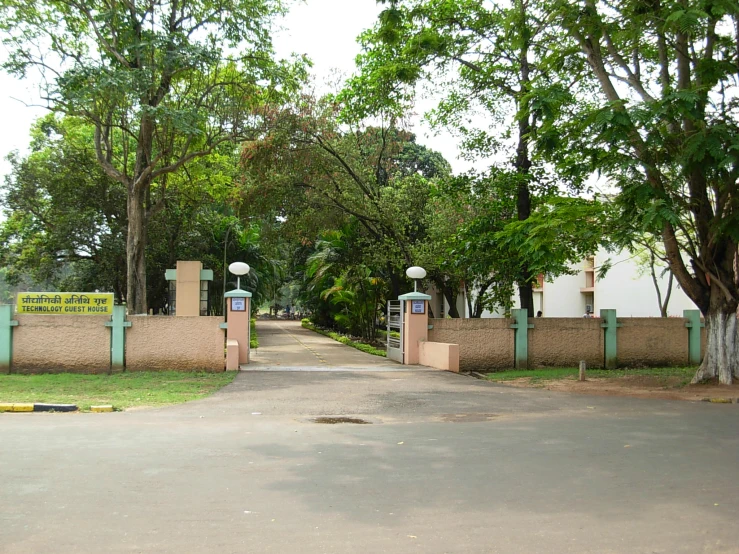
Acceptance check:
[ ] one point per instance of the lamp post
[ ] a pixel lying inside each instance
(415, 273)
(238, 269)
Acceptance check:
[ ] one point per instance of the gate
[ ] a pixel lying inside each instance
(395, 330)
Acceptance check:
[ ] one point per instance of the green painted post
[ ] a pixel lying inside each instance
(522, 327)
(694, 325)
(6, 337)
(118, 338)
(610, 325)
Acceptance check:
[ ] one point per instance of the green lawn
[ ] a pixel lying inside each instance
(123, 390)
(549, 374)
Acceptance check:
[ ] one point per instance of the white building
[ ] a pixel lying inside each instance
(625, 288)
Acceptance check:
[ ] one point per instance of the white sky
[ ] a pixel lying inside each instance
(325, 30)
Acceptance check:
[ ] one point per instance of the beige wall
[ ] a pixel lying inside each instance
(176, 343)
(652, 341)
(484, 344)
(564, 341)
(188, 288)
(56, 343)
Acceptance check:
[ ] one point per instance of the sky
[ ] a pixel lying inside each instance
(325, 30)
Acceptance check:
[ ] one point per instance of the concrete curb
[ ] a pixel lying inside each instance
(722, 400)
(34, 407)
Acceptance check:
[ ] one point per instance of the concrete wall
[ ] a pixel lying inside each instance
(439, 355)
(176, 343)
(488, 344)
(484, 344)
(563, 342)
(652, 341)
(61, 343)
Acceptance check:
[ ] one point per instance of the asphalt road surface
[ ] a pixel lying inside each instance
(444, 464)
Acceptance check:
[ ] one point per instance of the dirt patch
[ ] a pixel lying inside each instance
(640, 386)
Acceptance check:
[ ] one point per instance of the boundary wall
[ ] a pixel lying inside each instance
(105, 344)
(521, 342)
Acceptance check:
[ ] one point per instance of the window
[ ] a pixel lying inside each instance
(172, 298)
(204, 297)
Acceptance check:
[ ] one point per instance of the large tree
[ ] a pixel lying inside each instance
(665, 129)
(317, 174)
(486, 59)
(156, 82)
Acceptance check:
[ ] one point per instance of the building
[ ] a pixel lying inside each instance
(626, 288)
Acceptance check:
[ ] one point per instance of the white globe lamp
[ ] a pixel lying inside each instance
(415, 273)
(239, 269)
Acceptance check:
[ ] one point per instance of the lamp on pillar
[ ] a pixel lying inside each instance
(415, 273)
(239, 269)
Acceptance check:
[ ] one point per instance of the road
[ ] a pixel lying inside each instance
(445, 464)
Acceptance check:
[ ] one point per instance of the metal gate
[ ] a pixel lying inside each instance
(395, 330)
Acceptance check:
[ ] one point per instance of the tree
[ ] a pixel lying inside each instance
(489, 57)
(153, 80)
(650, 258)
(664, 130)
(66, 219)
(316, 175)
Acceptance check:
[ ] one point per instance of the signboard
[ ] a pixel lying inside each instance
(238, 304)
(65, 303)
(418, 306)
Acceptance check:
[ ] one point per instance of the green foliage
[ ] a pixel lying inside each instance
(156, 83)
(253, 339)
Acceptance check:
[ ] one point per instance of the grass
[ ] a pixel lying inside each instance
(122, 390)
(253, 338)
(555, 373)
(343, 339)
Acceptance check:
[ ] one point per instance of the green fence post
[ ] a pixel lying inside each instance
(694, 325)
(6, 337)
(118, 326)
(610, 340)
(522, 327)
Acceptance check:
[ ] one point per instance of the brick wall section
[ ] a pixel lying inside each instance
(484, 344)
(563, 342)
(61, 343)
(175, 343)
(659, 342)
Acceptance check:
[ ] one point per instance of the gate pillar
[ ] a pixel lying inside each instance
(415, 324)
(237, 328)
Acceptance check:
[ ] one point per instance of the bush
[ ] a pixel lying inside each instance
(253, 339)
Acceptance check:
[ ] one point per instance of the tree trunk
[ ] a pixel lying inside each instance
(721, 358)
(451, 297)
(136, 253)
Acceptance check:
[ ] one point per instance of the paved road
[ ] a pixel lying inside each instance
(285, 345)
(447, 464)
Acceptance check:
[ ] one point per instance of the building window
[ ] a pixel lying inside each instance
(172, 310)
(204, 297)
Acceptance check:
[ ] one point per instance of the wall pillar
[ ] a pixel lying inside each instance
(6, 337)
(415, 325)
(238, 315)
(610, 338)
(522, 327)
(694, 325)
(118, 326)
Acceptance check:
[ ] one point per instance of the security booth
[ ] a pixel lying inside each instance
(189, 289)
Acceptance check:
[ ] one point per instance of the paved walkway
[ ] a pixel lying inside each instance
(286, 346)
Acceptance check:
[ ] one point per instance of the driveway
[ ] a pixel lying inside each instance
(285, 345)
(445, 464)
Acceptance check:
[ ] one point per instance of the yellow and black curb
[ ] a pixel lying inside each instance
(36, 407)
(722, 400)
